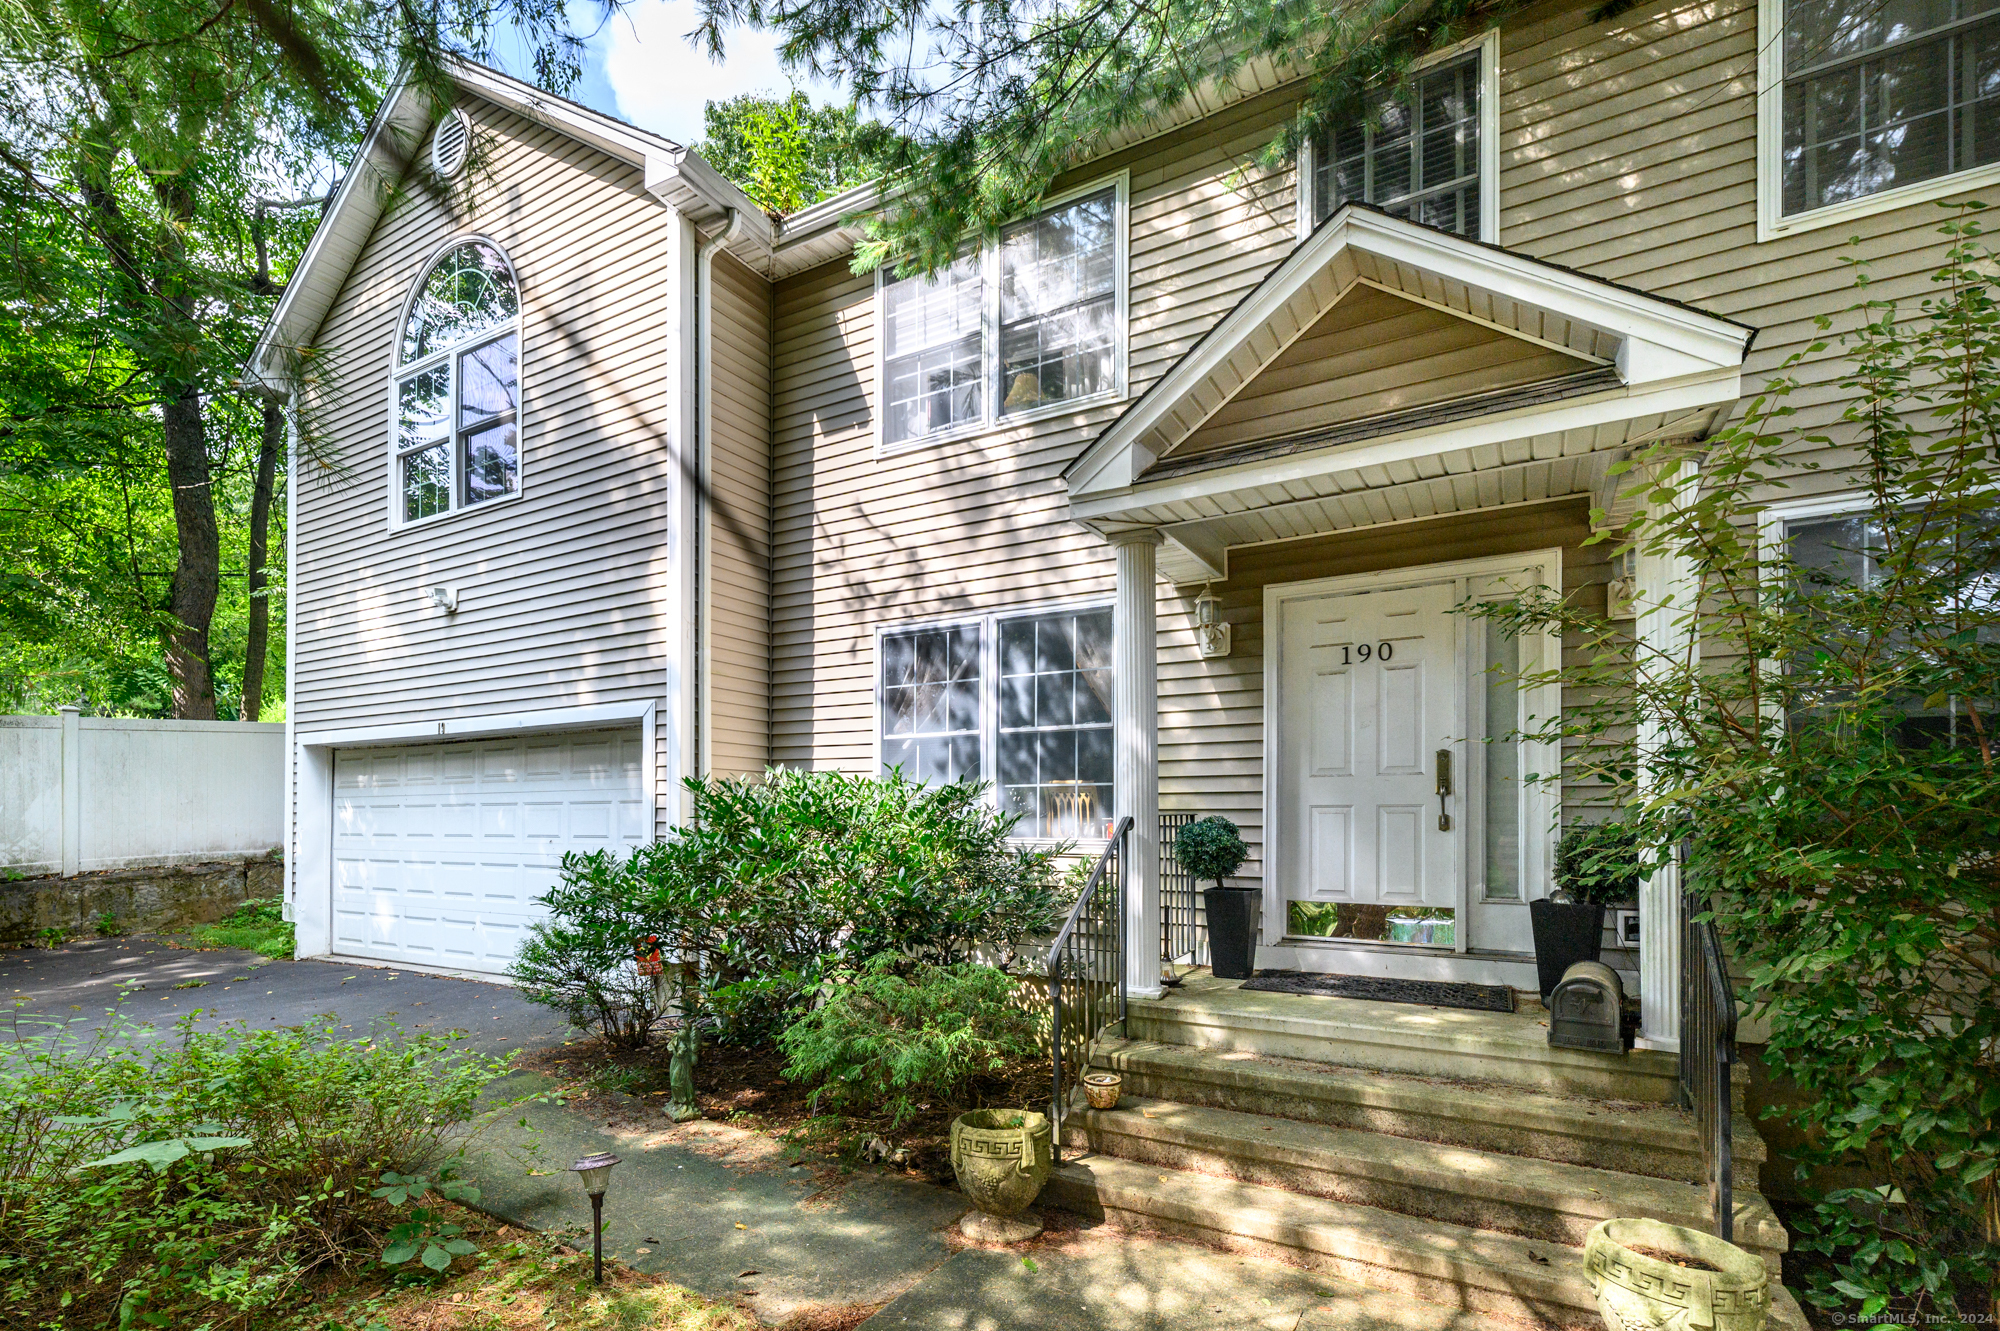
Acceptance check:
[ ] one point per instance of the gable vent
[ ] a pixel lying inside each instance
(449, 145)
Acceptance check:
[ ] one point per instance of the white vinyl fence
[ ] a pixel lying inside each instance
(82, 792)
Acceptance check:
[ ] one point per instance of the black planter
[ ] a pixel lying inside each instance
(1234, 914)
(1566, 932)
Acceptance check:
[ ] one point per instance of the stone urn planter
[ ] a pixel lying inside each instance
(1647, 1274)
(1002, 1157)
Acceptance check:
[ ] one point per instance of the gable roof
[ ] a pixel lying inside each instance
(1649, 340)
(677, 176)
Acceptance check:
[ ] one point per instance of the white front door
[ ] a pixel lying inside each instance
(1376, 682)
(1371, 694)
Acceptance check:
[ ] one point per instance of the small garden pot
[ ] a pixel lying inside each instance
(1566, 932)
(1103, 1089)
(1002, 1157)
(1647, 1274)
(1234, 914)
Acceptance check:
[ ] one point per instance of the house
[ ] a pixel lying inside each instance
(609, 478)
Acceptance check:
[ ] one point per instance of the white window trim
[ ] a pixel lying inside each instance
(990, 421)
(1488, 45)
(1771, 220)
(1774, 520)
(398, 371)
(989, 710)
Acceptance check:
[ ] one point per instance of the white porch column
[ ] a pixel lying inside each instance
(1664, 594)
(1138, 771)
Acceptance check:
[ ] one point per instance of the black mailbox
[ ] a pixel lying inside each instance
(1585, 1009)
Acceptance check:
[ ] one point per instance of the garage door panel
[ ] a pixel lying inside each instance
(441, 851)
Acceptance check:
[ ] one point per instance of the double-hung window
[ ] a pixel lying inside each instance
(1020, 701)
(1032, 321)
(1424, 151)
(457, 386)
(1875, 100)
(1840, 553)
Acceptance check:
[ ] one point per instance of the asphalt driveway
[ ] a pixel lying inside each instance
(153, 983)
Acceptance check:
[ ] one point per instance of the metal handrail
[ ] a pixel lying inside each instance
(1181, 931)
(1083, 953)
(1708, 1048)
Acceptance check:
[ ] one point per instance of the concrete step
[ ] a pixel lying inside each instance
(1458, 1267)
(1632, 1138)
(1444, 1043)
(1538, 1199)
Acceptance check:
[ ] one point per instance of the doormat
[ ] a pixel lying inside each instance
(1382, 989)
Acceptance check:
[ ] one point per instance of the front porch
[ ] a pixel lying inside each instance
(1395, 423)
(1445, 1156)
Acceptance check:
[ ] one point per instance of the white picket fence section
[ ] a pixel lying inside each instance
(83, 792)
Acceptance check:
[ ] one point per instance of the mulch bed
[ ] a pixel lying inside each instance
(746, 1085)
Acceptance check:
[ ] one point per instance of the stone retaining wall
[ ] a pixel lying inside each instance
(140, 900)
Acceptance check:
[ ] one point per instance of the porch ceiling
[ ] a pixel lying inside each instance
(1641, 369)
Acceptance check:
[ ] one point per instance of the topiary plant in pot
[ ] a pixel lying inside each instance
(1597, 865)
(1210, 849)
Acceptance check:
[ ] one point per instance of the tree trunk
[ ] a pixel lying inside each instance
(198, 573)
(272, 444)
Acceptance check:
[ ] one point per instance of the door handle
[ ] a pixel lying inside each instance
(1443, 788)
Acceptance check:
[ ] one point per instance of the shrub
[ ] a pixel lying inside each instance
(202, 1181)
(847, 867)
(581, 960)
(1830, 750)
(1210, 849)
(778, 883)
(1598, 863)
(890, 1038)
(256, 926)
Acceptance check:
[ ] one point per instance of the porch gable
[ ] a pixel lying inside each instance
(1380, 367)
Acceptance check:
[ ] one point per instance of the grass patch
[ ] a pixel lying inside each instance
(520, 1279)
(256, 926)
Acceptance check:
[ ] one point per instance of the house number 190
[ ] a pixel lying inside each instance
(1381, 651)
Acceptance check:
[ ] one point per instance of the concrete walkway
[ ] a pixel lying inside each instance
(719, 1209)
(727, 1213)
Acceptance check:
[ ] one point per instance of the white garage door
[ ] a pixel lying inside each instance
(439, 850)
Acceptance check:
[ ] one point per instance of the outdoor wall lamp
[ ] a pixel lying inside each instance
(595, 1173)
(1211, 630)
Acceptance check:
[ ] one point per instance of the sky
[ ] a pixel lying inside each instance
(639, 66)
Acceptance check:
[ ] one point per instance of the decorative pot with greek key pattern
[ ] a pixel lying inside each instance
(1002, 1158)
(1636, 1292)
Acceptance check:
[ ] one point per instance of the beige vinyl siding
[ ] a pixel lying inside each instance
(545, 619)
(1212, 710)
(975, 525)
(737, 671)
(1371, 354)
(1629, 151)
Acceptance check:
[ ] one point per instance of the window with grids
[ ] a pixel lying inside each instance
(931, 702)
(458, 386)
(1842, 555)
(1037, 688)
(1054, 725)
(1415, 154)
(1029, 321)
(1883, 95)
(1058, 296)
(931, 347)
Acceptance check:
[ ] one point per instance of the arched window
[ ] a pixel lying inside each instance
(458, 385)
